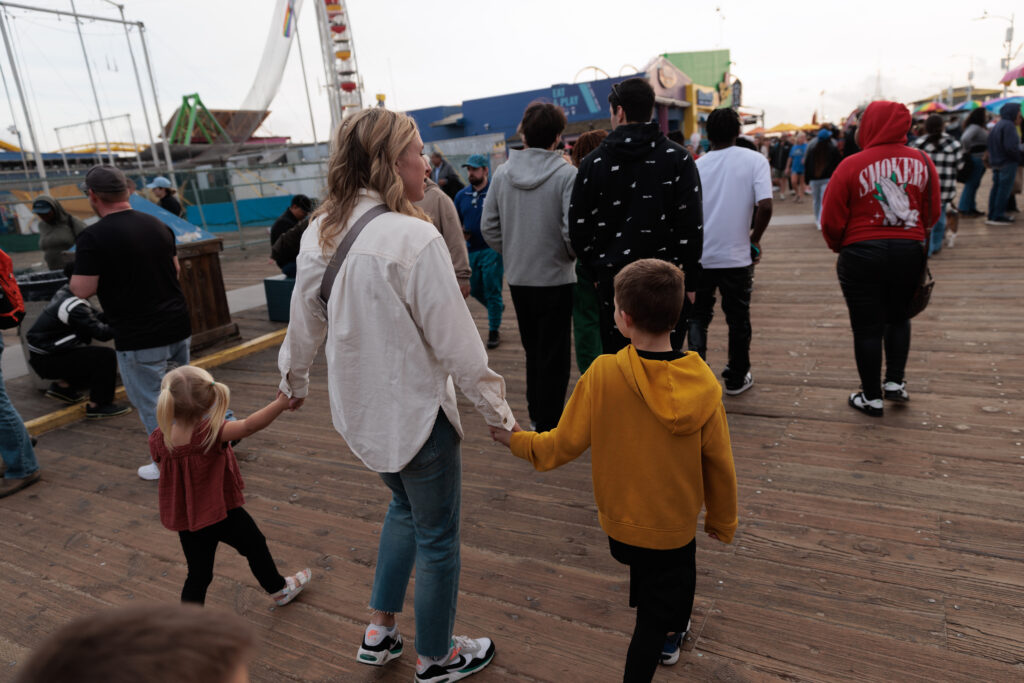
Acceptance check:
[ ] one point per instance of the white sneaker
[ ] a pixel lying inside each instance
(950, 239)
(467, 656)
(149, 472)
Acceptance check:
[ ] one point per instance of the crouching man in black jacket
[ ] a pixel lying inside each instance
(59, 349)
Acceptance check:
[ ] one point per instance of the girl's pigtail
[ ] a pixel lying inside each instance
(165, 411)
(219, 408)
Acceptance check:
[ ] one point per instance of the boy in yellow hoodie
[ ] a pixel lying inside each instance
(654, 421)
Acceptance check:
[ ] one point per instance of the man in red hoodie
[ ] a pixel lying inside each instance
(878, 209)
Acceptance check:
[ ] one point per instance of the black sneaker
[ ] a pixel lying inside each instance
(873, 407)
(109, 410)
(493, 339)
(381, 653)
(735, 388)
(467, 656)
(66, 394)
(895, 391)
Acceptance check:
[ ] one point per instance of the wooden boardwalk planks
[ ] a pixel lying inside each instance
(867, 549)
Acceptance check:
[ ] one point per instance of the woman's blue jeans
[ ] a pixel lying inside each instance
(15, 443)
(970, 191)
(421, 529)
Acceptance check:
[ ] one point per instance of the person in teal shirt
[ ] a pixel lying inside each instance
(795, 166)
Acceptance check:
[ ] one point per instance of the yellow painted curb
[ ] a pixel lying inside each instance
(65, 416)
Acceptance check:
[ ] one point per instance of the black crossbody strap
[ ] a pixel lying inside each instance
(327, 283)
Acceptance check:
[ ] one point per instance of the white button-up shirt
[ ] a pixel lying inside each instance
(399, 333)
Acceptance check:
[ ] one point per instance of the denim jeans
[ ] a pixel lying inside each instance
(817, 194)
(1002, 187)
(15, 443)
(487, 270)
(938, 234)
(142, 371)
(422, 529)
(970, 191)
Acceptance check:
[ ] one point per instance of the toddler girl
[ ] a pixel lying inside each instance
(201, 486)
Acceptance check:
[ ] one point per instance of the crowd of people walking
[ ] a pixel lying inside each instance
(625, 250)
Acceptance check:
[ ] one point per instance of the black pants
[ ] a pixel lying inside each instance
(878, 279)
(239, 531)
(661, 587)
(611, 340)
(544, 315)
(735, 286)
(91, 367)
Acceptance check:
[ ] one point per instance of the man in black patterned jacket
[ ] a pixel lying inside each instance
(636, 196)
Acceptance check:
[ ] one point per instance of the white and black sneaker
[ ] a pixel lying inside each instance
(673, 644)
(895, 391)
(386, 645)
(872, 407)
(733, 389)
(466, 657)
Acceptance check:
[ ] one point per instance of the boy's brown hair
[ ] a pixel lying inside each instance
(651, 292)
(155, 643)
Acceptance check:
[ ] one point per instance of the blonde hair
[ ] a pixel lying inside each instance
(189, 394)
(364, 152)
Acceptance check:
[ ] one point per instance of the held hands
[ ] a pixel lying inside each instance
(504, 435)
(290, 403)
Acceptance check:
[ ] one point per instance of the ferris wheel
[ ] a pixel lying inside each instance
(344, 82)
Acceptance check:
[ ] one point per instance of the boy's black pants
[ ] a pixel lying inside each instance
(94, 367)
(544, 315)
(239, 531)
(661, 587)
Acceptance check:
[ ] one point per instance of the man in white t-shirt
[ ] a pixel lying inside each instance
(737, 185)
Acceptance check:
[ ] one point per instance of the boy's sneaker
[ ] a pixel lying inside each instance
(733, 388)
(895, 391)
(109, 410)
(293, 585)
(872, 407)
(467, 656)
(670, 650)
(386, 645)
(150, 472)
(66, 394)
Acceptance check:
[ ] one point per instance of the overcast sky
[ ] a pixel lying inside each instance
(423, 54)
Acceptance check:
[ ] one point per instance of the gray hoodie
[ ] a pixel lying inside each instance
(526, 218)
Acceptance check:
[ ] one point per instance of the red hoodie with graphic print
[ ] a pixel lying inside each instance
(880, 192)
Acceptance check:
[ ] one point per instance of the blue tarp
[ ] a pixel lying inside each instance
(184, 232)
(220, 217)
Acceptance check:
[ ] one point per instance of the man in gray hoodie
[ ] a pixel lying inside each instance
(58, 230)
(525, 219)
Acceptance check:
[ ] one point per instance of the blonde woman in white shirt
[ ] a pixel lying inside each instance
(397, 334)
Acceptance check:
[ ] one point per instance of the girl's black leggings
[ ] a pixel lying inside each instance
(239, 531)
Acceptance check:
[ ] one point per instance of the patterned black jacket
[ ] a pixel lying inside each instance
(66, 323)
(637, 196)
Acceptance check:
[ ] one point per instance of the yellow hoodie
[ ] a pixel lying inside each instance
(659, 445)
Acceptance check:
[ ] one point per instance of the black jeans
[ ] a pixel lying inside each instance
(611, 340)
(878, 279)
(661, 587)
(239, 531)
(735, 286)
(92, 367)
(544, 315)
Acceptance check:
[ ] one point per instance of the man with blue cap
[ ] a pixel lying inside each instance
(488, 270)
(164, 191)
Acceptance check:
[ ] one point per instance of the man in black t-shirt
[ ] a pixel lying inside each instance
(129, 259)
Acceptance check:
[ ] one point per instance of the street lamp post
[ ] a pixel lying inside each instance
(1004, 62)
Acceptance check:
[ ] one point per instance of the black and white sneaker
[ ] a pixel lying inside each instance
(733, 389)
(895, 391)
(108, 410)
(872, 407)
(390, 647)
(673, 644)
(467, 656)
(66, 394)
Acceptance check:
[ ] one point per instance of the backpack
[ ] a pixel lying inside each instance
(12, 308)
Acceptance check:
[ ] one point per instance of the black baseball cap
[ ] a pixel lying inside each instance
(104, 179)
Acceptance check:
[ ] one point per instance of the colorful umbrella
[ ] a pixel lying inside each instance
(931, 107)
(968, 105)
(995, 105)
(1014, 74)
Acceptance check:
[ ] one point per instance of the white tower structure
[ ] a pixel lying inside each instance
(345, 85)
